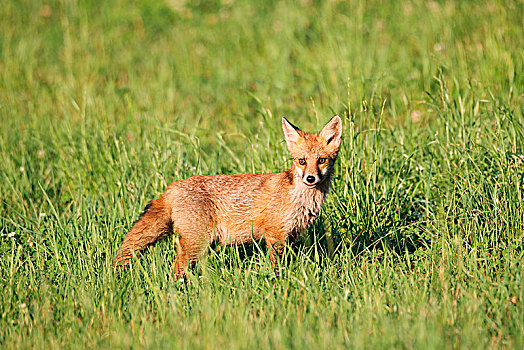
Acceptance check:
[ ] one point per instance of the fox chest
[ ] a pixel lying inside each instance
(302, 215)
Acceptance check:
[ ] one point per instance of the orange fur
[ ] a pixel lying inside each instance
(242, 208)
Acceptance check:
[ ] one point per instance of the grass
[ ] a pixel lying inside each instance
(103, 104)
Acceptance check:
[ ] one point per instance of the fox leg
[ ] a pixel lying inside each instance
(275, 245)
(189, 249)
(153, 224)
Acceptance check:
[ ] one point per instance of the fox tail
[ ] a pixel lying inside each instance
(154, 224)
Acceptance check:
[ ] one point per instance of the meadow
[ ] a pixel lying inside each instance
(419, 244)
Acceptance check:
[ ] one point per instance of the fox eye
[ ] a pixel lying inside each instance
(322, 160)
(302, 161)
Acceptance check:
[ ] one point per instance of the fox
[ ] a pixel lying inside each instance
(241, 208)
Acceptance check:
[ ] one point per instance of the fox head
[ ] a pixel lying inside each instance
(313, 155)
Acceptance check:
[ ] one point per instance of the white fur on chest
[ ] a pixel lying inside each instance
(306, 204)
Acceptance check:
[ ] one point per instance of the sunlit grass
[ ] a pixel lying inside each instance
(103, 104)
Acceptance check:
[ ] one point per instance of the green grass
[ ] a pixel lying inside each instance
(103, 104)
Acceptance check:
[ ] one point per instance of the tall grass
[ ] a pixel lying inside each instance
(103, 104)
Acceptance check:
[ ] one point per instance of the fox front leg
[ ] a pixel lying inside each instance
(275, 247)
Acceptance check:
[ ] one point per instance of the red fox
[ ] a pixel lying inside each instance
(242, 208)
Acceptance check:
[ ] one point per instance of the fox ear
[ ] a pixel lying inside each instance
(290, 132)
(332, 132)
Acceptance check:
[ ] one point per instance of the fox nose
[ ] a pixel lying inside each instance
(310, 179)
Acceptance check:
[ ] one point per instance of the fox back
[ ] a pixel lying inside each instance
(236, 209)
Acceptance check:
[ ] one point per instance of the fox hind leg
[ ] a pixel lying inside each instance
(189, 249)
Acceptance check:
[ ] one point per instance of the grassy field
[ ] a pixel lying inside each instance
(104, 103)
